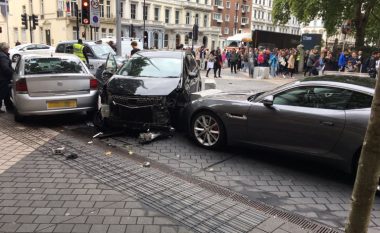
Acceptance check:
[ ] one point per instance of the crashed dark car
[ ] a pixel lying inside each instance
(149, 92)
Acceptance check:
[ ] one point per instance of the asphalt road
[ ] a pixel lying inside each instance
(296, 184)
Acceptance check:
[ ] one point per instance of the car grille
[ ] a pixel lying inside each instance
(134, 101)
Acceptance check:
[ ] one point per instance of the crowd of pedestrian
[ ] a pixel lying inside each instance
(286, 62)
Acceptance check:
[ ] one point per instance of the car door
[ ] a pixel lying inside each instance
(191, 83)
(306, 119)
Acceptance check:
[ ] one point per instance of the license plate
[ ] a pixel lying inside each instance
(62, 104)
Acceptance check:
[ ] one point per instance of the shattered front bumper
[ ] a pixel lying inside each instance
(142, 113)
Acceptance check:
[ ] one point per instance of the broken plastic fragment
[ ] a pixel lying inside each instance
(146, 164)
(108, 153)
(130, 152)
(67, 214)
(97, 135)
(90, 142)
(211, 169)
(72, 156)
(59, 151)
(178, 156)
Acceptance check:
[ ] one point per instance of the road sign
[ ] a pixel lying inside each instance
(94, 14)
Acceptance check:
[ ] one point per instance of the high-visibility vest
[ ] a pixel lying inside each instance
(78, 51)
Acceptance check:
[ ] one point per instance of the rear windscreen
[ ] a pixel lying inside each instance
(53, 65)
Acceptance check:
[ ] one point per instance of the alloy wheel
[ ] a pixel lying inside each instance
(206, 130)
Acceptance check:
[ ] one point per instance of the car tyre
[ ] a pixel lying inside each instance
(16, 57)
(17, 116)
(207, 130)
(99, 122)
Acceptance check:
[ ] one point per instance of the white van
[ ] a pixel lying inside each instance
(126, 47)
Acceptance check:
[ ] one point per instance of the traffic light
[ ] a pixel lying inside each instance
(195, 32)
(34, 21)
(85, 11)
(24, 20)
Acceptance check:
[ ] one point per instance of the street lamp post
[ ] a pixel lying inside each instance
(118, 28)
(144, 37)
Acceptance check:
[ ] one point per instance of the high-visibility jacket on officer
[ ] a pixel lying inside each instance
(78, 50)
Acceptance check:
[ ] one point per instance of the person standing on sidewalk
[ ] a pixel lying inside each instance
(246, 60)
(291, 63)
(6, 73)
(210, 62)
(234, 60)
(218, 64)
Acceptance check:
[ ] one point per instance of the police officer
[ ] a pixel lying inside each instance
(6, 73)
(79, 50)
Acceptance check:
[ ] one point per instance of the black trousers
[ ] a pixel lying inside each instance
(5, 94)
(233, 67)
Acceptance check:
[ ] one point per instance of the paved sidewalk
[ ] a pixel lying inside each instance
(112, 192)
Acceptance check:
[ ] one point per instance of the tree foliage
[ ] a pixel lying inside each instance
(333, 13)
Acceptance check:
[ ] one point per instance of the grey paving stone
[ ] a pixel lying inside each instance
(116, 229)
(270, 224)
(26, 219)
(134, 228)
(97, 228)
(64, 227)
(128, 220)
(44, 219)
(81, 228)
(111, 220)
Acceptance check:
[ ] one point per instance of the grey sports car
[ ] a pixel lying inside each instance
(322, 117)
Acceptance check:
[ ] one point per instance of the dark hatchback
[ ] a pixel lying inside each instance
(150, 91)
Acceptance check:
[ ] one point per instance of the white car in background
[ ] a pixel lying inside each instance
(18, 51)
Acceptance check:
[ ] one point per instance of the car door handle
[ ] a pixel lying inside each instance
(327, 123)
(239, 117)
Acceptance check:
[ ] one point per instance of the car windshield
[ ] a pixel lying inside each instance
(155, 67)
(53, 65)
(102, 50)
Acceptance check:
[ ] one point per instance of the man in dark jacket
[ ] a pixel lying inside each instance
(6, 73)
(372, 64)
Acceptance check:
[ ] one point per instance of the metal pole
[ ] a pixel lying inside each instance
(118, 28)
(144, 38)
(77, 15)
(91, 32)
(30, 29)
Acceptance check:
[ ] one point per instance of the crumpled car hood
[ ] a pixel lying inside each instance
(126, 85)
(238, 96)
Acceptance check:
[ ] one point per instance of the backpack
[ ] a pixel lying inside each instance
(260, 59)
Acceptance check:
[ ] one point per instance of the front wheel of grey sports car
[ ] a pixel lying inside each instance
(207, 130)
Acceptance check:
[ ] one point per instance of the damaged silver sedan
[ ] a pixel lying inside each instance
(149, 92)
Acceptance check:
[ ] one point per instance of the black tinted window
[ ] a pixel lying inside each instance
(53, 65)
(332, 98)
(359, 100)
(301, 97)
(60, 48)
(315, 97)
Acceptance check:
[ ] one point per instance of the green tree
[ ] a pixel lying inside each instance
(333, 14)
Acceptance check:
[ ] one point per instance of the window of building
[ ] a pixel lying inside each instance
(155, 37)
(145, 12)
(176, 17)
(187, 17)
(217, 16)
(270, 3)
(74, 33)
(264, 2)
(227, 18)
(255, 14)
(218, 2)
(101, 4)
(133, 11)
(186, 39)
(228, 5)
(206, 2)
(156, 13)
(197, 19)
(104, 32)
(244, 20)
(122, 9)
(205, 21)
(166, 40)
(108, 7)
(110, 32)
(226, 30)
(237, 6)
(167, 15)
(42, 10)
(15, 34)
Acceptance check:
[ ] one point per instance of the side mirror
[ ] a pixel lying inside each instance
(268, 101)
(193, 75)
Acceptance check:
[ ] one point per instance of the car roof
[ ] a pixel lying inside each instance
(84, 42)
(47, 55)
(164, 54)
(348, 81)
